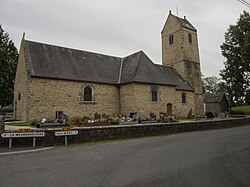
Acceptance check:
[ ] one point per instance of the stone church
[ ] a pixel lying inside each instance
(52, 79)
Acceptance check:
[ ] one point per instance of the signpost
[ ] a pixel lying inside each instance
(65, 134)
(33, 135)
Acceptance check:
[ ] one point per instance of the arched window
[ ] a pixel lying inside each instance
(87, 94)
(154, 94)
(184, 97)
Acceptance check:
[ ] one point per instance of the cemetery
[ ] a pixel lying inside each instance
(103, 128)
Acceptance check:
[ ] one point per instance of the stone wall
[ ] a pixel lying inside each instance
(183, 55)
(181, 49)
(46, 96)
(21, 87)
(182, 109)
(137, 98)
(93, 134)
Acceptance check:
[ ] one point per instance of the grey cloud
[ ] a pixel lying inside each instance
(119, 27)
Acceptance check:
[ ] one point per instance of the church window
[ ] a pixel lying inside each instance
(154, 94)
(190, 38)
(184, 97)
(87, 94)
(19, 96)
(171, 39)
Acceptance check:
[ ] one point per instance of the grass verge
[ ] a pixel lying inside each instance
(242, 109)
(18, 124)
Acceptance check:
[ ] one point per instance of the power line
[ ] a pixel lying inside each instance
(245, 3)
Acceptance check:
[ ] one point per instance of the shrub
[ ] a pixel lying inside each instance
(77, 120)
(85, 119)
(74, 120)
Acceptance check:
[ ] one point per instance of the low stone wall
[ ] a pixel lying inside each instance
(92, 134)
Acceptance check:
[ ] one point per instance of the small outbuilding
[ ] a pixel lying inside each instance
(215, 102)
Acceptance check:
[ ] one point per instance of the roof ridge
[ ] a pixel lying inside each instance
(120, 73)
(68, 48)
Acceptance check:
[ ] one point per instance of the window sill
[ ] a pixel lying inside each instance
(88, 102)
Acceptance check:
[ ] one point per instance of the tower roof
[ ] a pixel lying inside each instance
(183, 22)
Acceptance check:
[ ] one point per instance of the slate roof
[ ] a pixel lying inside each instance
(55, 62)
(185, 23)
(49, 61)
(213, 97)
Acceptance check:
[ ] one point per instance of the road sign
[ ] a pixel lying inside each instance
(33, 135)
(65, 133)
(22, 134)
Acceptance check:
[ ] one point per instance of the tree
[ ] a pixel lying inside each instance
(8, 63)
(212, 84)
(236, 50)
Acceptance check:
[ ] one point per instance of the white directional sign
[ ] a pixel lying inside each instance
(22, 134)
(65, 133)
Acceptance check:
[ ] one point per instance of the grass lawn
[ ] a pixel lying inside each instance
(18, 124)
(244, 109)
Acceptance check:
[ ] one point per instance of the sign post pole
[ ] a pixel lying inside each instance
(34, 142)
(33, 135)
(66, 134)
(10, 143)
(66, 140)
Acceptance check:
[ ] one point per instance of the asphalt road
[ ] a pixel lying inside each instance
(207, 158)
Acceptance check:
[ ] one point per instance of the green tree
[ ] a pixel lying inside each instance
(212, 84)
(8, 63)
(236, 50)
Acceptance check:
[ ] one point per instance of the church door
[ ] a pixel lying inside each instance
(169, 109)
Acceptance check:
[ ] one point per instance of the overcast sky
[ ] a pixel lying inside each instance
(120, 27)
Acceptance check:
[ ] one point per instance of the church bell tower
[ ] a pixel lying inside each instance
(180, 50)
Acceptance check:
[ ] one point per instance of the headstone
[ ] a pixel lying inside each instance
(105, 117)
(162, 115)
(97, 116)
(190, 114)
(152, 116)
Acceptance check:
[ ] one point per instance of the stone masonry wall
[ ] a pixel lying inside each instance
(181, 49)
(137, 98)
(46, 96)
(92, 134)
(21, 87)
(182, 109)
(184, 56)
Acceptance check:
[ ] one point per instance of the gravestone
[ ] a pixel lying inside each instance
(105, 117)
(97, 116)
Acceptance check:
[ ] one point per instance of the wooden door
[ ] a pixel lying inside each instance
(169, 109)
